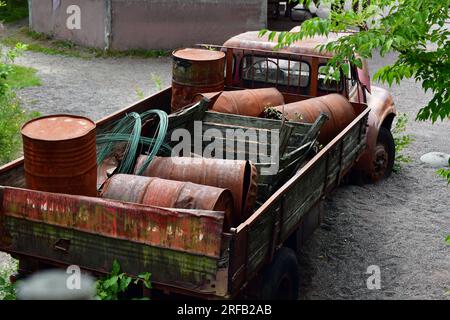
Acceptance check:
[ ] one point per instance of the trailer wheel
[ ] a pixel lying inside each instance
(384, 155)
(281, 277)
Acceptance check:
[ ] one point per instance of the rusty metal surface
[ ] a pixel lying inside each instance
(169, 194)
(309, 46)
(193, 231)
(60, 155)
(195, 71)
(339, 110)
(240, 177)
(249, 102)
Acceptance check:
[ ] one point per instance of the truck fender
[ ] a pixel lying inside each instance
(382, 114)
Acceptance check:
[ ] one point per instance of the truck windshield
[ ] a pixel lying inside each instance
(276, 71)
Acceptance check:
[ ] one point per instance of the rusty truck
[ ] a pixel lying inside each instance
(196, 252)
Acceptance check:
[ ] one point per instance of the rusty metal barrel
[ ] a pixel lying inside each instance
(238, 176)
(339, 110)
(248, 102)
(195, 71)
(60, 155)
(169, 194)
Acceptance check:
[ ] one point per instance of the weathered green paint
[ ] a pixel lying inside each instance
(97, 253)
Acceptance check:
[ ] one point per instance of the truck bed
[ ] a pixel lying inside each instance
(185, 250)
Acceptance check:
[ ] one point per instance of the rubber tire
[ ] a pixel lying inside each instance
(360, 178)
(385, 137)
(284, 267)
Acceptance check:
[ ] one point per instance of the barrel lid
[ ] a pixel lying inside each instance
(193, 54)
(57, 127)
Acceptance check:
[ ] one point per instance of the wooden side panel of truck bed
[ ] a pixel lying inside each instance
(183, 245)
(255, 241)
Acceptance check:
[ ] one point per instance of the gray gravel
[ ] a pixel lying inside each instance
(398, 224)
(92, 88)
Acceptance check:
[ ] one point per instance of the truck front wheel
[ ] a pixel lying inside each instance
(384, 156)
(281, 277)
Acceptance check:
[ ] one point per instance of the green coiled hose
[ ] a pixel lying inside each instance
(128, 130)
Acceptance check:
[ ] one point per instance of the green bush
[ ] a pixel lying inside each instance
(12, 116)
(13, 10)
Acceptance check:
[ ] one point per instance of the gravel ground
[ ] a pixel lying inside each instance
(93, 88)
(398, 224)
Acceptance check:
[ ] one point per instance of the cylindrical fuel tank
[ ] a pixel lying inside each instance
(238, 176)
(60, 155)
(339, 110)
(169, 194)
(248, 102)
(195, 71)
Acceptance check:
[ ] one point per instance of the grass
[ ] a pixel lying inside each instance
(38, 42)
(15, 10)
(23, 77)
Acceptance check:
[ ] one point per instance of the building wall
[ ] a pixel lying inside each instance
(50, 17)
(149, 24)
(170, 24)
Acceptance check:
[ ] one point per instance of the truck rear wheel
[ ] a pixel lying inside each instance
(281, 277)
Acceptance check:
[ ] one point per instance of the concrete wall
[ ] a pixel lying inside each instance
(149, 24)
(50, 17)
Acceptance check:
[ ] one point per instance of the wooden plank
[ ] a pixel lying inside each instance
(259, 239)
(253, 122)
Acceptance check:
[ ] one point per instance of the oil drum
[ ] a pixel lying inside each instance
(169, 194)
(195, 71)
(339, 110)
(238, 176)
(248, 102)
(60, 155)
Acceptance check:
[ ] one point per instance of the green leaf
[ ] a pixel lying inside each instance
(110, 282)
(124, 283)
(115, 268)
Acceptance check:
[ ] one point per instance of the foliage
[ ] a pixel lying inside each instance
(7, 289)
(42, 43)
(445, 173)
(401, 141)
(13, 10)
(415, 29)
(111, 286)
(273, 113)
(23, 77)
(157, 81)
(447, 239)
(6, 67)
(11, 114)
